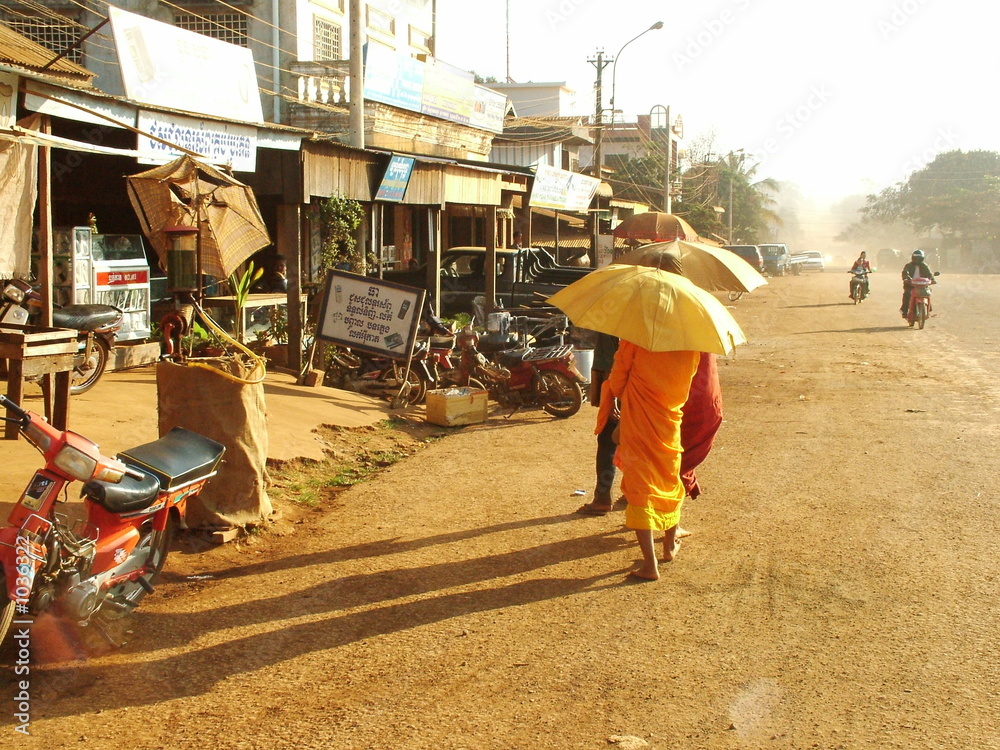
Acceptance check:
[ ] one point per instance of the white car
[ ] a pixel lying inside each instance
(812, 260)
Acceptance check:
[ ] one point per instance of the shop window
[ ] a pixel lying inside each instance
(52, 34)
(226, 27)
(326, 40)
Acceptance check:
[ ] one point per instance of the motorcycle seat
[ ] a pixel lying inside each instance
(127, 496)
(510, 357)
(177, 458)
(84, 317)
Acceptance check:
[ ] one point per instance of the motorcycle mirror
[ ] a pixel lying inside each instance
(937, 273)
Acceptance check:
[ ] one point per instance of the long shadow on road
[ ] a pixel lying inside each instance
(196, 672)
(881, 329)
(382, 547)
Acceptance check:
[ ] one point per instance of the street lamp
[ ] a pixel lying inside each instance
(614, 64)
(598, 161)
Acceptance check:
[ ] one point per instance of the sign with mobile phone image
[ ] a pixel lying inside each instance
(372, 315)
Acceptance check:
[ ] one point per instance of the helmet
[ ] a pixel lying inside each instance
(918, 255)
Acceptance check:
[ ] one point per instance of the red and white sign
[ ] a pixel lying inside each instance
(123, 277)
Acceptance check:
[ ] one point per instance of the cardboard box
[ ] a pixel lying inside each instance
(454, 407)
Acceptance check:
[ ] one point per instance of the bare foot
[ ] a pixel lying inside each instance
(669, 555)
(681, 533)
(644, 573)
(593, 509)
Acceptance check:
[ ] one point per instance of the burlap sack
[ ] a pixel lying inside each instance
(207, 402)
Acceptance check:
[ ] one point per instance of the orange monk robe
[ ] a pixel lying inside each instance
(652, 388)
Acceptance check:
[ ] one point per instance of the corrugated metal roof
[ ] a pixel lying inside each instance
(16, 49)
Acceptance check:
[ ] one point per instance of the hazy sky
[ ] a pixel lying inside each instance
(839, 97)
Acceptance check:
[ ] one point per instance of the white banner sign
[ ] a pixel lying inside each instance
(370, 314)
(217, 142)
(561, 190)
(184, 70)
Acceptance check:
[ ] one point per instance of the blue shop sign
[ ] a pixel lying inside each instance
(395, 180)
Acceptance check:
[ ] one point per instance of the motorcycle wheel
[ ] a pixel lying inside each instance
(86, 375)
(563, 397)
(857, 294)
(921, 314)
(417, 386)
(7, 612)
(159, 545)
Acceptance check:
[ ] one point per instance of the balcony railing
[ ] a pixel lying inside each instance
(322, 82)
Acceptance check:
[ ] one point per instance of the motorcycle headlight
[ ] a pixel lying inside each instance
(14, 293)
(75, 463)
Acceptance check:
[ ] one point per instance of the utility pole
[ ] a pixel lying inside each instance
(600, 62)
(356, 117)
(509, 79)
(667, 205)
(730, 209)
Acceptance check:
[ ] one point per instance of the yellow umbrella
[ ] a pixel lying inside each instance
(656, 310)
(711, 268)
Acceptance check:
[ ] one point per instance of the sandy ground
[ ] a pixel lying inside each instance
(839, 589)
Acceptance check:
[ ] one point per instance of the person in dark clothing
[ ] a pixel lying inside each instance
(916, 268)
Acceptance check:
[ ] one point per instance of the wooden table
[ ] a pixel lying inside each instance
(31, 351)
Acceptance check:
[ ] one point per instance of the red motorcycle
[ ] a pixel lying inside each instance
(97, 570)
(545, 377)
(920, 302)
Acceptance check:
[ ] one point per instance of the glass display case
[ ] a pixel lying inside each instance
(71, 266)
(105, 269)
(121, 278)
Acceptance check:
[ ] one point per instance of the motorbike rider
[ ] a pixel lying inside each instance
(861, 265)
(916, 268)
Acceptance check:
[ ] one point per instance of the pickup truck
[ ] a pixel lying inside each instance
(524, 277)
(777, 259)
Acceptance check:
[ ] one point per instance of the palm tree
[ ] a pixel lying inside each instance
(729, 183)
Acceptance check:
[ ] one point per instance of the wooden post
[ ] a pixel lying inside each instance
(45, 271)
(290, 245)
(490, 262)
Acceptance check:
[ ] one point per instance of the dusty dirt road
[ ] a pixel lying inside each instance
(839, 591)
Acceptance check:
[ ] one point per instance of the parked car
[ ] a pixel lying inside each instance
(749, 253)
(888, 258)
(810, 260)
(777, 259)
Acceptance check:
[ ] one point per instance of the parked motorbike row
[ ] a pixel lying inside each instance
(517, 370)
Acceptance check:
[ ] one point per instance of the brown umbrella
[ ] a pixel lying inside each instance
(654, 226)
(192, 193)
